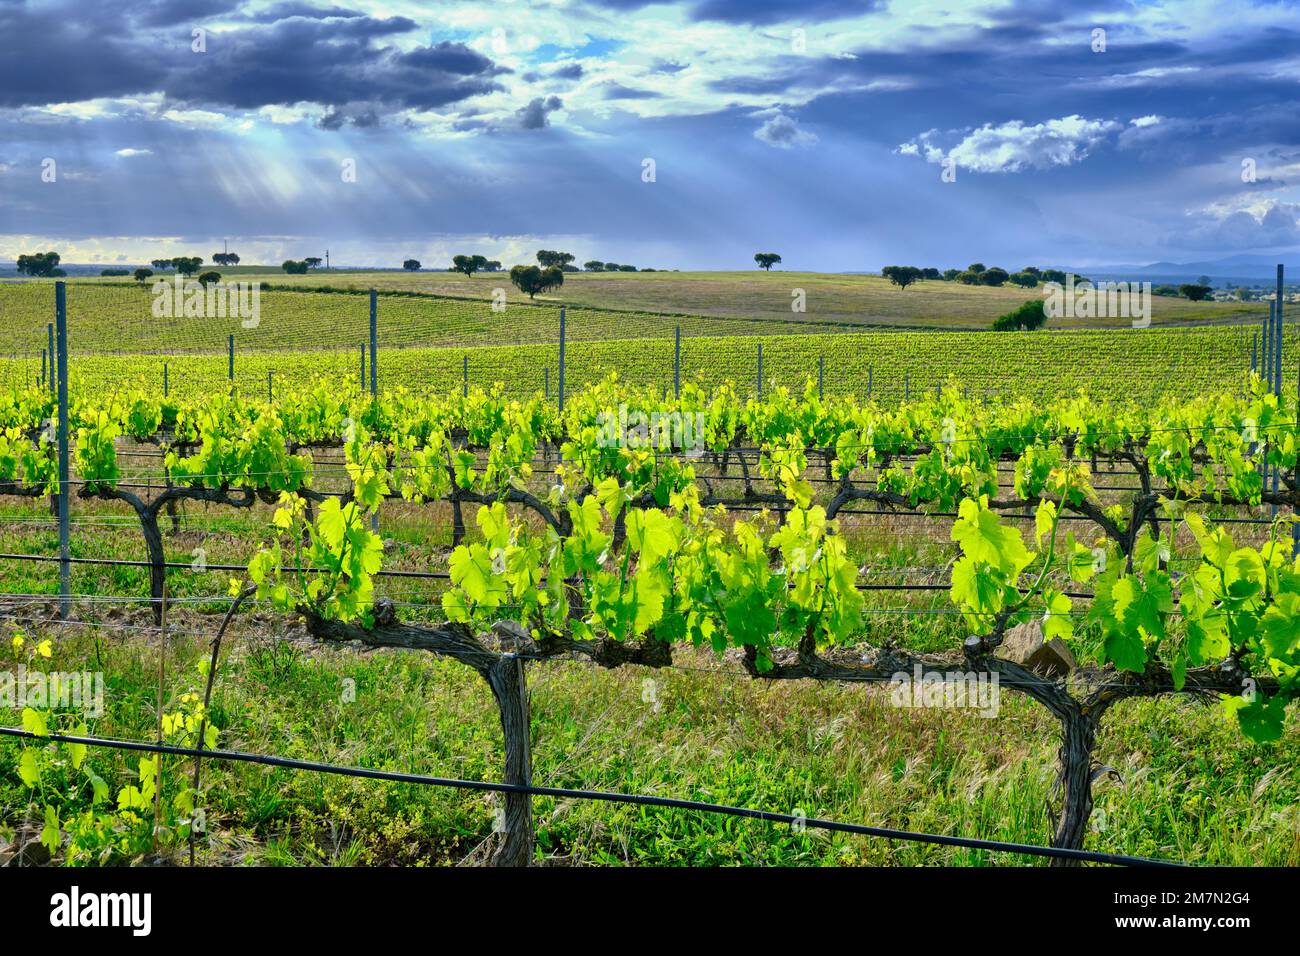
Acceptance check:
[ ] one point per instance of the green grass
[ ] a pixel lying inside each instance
(1191, 789)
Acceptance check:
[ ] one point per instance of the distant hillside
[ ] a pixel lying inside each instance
(1228, 271)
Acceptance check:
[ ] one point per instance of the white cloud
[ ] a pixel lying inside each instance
(195, 117)
(783, 132)
(130, 151)
(1011, 147)
(1261, 225)
(1143, 77)
(1143, 121)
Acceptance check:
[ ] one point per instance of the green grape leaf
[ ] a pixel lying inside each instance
(1261, 720)
(1126, 651)
(29, 769)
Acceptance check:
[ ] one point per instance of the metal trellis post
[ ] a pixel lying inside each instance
(561, 379)
(65, 544)
(374, 343)
(677, 362)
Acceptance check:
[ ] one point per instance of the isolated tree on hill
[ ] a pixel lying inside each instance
(231, 259)
(142, 275)
(766, 260)
(209, 278)
(493, 265)
(549, 257)
(532, 280)
(994, 276)
(162, 265)
(931, 274)
(1195, 292)
(1028, 317)
(901, 276)
(593, 265)
(411, 265)
(40, 265)
(187, 265)
(294, 267)
(468, 264)
(312, 261)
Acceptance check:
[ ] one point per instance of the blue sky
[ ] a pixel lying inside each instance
(815, 128)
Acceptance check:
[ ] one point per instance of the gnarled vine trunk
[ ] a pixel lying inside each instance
(1074, 783)
(504, 675)
(510, 688)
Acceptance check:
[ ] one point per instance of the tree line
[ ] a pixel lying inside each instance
(976, 274)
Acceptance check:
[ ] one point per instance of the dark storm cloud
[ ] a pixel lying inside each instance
(569, 71)
(330, 63)
(159, 13)
(49, 56)
(536, 115)
(308, 11)
(304, 53)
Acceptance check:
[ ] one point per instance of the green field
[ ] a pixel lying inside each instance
(119, 318)
(864, 300)
(847, 299)
(425, 342)
(889, 366)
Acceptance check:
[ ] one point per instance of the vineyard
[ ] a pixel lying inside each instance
(423, 344)
(1104, 561)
